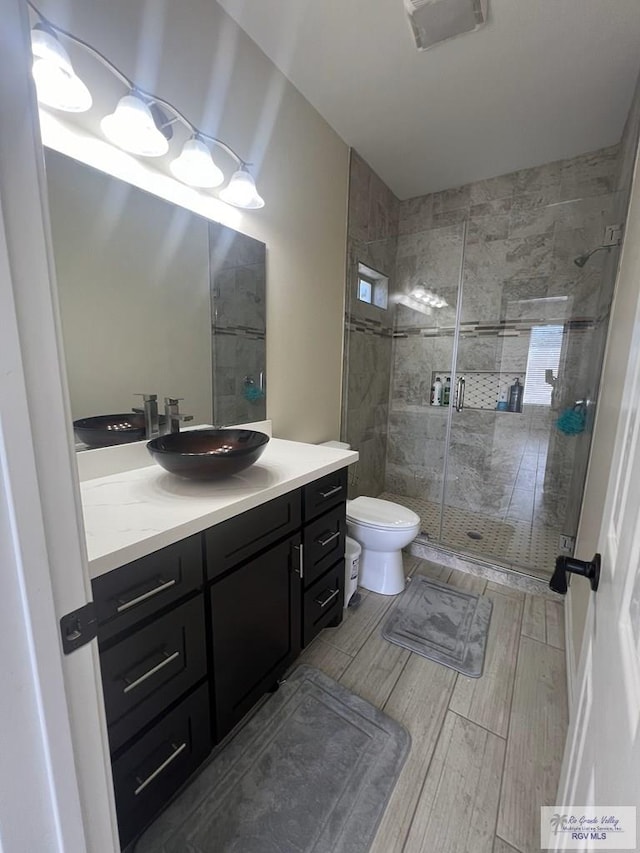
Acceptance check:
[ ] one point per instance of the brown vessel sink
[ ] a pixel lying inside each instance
(208, 454)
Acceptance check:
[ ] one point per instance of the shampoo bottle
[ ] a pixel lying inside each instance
(446, 393)
(436, 392)
(515, 396)
(503, 399)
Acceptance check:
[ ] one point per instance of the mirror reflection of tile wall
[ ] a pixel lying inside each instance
(238, 291)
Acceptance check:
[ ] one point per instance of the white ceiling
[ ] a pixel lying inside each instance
(543, 80)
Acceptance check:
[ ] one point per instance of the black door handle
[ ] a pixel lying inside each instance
(588, 569)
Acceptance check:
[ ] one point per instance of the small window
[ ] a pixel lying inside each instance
(373, 287)
(365, 290)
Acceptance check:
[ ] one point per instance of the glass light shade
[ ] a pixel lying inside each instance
(57, 84)
(195, 166)
(241, 191)
(132, 128)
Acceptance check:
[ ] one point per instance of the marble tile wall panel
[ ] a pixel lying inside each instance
(629, 146)
(371, 240)
(414, 361)
(359, 195)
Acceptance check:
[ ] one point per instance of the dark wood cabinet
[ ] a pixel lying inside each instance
(150, 771)
(232, 542)
(139, 590)
(324, 493)
(255, 632)
(193, 635)
(148, 670)
(322, 602)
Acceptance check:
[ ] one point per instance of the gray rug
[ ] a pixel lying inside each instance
(442, 623)
(311, 771)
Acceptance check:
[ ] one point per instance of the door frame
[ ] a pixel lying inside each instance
(56, 776)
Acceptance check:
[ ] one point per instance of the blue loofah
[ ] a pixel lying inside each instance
(572, 421)
(252, 393)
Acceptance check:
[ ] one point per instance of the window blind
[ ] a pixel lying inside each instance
(545, 347)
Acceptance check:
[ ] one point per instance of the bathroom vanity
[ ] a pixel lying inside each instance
(205, 594)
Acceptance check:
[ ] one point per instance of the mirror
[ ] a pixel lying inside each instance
(154, 299)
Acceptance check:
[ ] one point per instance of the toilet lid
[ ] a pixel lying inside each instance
(379, 513)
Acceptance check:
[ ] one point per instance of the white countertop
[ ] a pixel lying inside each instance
(135, 512)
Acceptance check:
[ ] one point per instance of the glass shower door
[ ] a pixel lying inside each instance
(508, 469)
(428, 268)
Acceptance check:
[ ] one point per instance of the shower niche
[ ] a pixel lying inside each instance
(482, 389)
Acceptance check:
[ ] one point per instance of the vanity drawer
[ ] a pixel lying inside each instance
(151, 668)
(147, 775)
(133, 592)
(234, 541)
(324, 493)
(323, 541)
(323, 602)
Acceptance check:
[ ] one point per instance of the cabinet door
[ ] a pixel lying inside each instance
(255, 620)
(323, 602)
(234, 541)
(150, 772)
(144, 673)
(132, 593)
(323, 540)
(324, 493)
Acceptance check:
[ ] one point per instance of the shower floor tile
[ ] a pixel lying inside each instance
(532, 547)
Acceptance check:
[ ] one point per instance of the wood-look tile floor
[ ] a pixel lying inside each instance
(485, 752)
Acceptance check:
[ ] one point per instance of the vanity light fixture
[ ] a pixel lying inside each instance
(142, 123)
(241, 191)
(131, 127)
(195, 166)
(57, 84)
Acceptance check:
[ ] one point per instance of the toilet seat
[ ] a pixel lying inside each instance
(376, 513)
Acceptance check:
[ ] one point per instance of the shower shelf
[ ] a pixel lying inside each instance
(482, 387)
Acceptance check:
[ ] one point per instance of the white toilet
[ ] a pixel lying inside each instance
(382, 528)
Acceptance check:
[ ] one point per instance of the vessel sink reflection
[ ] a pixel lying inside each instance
(106, 430)
(208, 454)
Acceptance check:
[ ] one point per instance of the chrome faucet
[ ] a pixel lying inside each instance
(172, 414)
(151, 421)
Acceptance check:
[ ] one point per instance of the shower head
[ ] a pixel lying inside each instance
(581, 260)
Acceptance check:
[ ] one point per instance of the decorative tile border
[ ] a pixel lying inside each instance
(504, 328)
(368, 327)
(239, 332)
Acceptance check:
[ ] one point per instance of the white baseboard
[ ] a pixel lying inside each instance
(569, 649)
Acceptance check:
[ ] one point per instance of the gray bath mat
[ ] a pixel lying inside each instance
(311, 771)
(442, 623)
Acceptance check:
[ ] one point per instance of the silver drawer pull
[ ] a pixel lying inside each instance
(330, 597)
(151, 672)
(330, 493)
(132, 602)
(327, 539)
(158, 770)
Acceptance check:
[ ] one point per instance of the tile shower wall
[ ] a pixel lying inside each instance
(523, 232)
(372, 240)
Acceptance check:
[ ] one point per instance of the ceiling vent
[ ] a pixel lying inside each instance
(433, 21)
